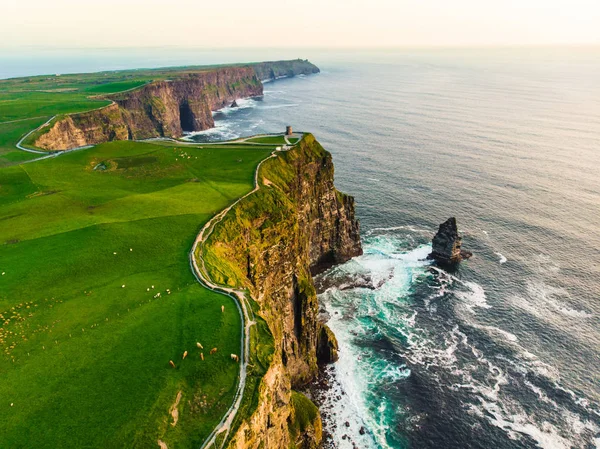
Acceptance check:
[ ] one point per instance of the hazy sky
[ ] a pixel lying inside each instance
(298, 23)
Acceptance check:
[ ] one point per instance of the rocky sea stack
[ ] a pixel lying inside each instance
(446, 244)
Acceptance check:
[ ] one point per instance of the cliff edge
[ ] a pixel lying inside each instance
(272, 243)
(167, 107)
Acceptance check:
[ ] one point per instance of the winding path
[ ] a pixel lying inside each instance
(201, 273)
(239, 297)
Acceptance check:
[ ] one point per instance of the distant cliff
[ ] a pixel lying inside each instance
(167, 108)
(296, 224)
(272, 70)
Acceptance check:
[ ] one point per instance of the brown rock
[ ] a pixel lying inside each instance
(327, 346)
(446, 244)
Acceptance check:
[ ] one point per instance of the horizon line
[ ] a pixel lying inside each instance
(323, 48)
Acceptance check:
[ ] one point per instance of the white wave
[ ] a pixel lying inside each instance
(471, 297)
(268, 80)
(483, 378)
(501, 257)
(242, 103)
(545, 301)
(493, 330)
(350, 384)
(358, 368)
(545, 435)
(474, 297)
(280, 106)
(414, 229)
(223, 130)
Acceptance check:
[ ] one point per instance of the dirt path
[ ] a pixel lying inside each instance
(202, 276)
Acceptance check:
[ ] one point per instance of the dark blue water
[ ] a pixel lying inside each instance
(504, 352)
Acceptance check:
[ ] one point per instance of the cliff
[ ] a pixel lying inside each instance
(447, 245)
(267, 71)
(168, 107)
(272, 243)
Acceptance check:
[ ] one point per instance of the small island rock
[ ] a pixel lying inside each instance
(446, 244)
(234, 104)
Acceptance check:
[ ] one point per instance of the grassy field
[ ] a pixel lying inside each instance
(26, 103)
(87, 242)
(273, 140)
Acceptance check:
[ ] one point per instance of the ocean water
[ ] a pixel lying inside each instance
(504, 352)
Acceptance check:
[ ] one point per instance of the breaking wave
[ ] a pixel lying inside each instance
(400, 320)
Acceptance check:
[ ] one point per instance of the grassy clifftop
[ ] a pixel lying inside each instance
(28, 102)
(87, 242)
(268, 244)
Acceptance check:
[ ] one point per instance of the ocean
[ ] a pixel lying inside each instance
(504, 351)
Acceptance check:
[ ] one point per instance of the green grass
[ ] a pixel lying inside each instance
(111, 88)
(35, 99)
(20, 105)
(83, 361)
(10, 134)
(305, 415)
(272, 140)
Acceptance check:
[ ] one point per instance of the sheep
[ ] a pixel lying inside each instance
(235, 357)
(171, 363)
(213, 350)
(184, 355)
(123, 286)
(199, 345)
(202, 355)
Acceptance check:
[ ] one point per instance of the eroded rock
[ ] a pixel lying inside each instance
(446, 244)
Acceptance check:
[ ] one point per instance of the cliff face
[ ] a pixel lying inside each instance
(273, 70)
(271, 243)
(159, 109)
(167, 108)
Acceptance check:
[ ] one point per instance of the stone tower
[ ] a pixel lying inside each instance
(288, 130)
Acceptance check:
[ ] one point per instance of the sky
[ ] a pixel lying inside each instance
(295, 23)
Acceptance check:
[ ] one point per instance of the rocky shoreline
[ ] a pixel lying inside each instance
(321, 391)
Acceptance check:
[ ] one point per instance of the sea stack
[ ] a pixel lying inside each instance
(446, 244)
(234, 104)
